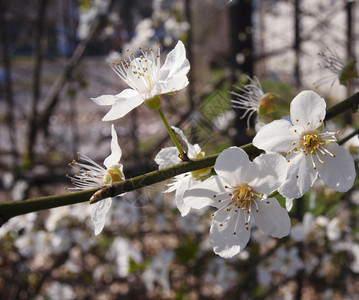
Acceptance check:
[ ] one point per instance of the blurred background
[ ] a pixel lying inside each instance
(55, 56)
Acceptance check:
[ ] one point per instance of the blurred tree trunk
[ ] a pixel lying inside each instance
(37, 52)
(241, 57)
(191, 86)
(7, 84)
(297, 44)
(350, 8)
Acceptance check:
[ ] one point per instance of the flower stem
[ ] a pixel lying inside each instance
(182, 155)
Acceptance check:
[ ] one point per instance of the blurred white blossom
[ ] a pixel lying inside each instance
(121, 251)
(221, 275)
(158, 271)
(287, 262)
(60, 291)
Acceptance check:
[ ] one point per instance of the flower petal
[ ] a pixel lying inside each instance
(116, 151)
(276, 136)
(182, 187)
(300, 176)
(98, 214)
(105, 100)
(122, 106)
(225, 243)
(267, 172)
(307, 109)
(193, 150)
(232, 165)
(289, 203)
(205, 193)
(176, 64)
(172, 85)
(167, 157)
(271, 218)
(338, 172)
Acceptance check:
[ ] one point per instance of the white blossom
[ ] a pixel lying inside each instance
(146, 79)
(239, 191)
(309, 150)
(181, 183)
(92, 175)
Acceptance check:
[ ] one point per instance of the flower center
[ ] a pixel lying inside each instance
(243, 197)
(240, 199)
(311, 142)
(140, 73)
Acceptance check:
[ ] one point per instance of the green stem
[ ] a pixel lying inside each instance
(183, 155)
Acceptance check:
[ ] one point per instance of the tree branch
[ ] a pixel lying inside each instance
(12, 209)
